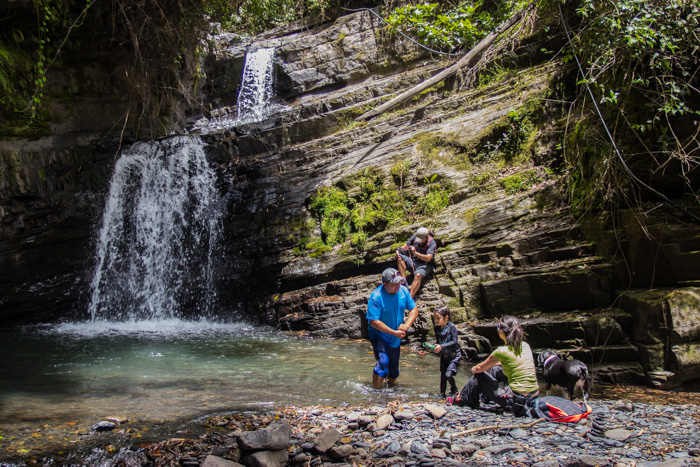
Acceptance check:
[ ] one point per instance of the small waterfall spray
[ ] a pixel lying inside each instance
(256, 88)
(160, 229)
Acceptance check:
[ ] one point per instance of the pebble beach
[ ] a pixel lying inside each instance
(617, 433)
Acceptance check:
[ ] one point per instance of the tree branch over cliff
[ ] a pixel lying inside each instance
(467, 60)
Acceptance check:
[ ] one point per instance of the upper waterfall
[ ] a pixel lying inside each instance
(254, 101)
(160, 228)
(254, 98)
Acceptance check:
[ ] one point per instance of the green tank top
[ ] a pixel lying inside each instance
(519, 369)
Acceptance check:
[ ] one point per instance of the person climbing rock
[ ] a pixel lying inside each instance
(418, 257)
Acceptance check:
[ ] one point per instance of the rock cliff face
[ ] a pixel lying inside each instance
(506, 241)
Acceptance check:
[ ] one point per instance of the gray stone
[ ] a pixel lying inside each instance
(391, 449)
(273, 438)
(501, 448)
(405, 448)
(467, 449)
(365, 420)
(301, 458)
(518, 433)
(669, 463)
(547, 463)
(587, 461)
(342, 451)
(435, 411)
(326, 440)
(400, 415)
(419, 448)
(266, 459)
(214, 461)
(103, 426)
(384, 421)
(618, 434)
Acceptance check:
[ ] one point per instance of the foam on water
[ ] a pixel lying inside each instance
(149, 328)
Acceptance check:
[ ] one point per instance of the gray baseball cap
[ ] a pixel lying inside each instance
(422, 233)
(392, 276)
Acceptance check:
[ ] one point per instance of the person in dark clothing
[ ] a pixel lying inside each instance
(417, 256)
(448, 348)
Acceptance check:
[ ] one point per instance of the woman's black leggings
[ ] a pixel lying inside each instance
(492, 385)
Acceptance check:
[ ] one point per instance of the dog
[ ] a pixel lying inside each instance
(565, 373)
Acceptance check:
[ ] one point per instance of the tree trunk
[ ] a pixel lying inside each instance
(464, 61)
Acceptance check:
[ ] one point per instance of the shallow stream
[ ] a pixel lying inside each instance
(165, 378)
(60, 380)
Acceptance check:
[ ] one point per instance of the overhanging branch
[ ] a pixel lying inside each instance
(467, 60)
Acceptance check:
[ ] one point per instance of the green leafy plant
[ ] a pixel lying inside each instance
(255, 16)
(521, 181)
(448, 26)
(640, 60)
(331, 206)
(435, 200)
(508, 138)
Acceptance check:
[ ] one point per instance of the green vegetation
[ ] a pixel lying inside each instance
(509, 139)
(29, 46)
(362, 205)
(640, 59)
(506, 142)
(521, 181)
(159, 52)
(470, 215)
(452, 25)
(255, 16)
(641, 62)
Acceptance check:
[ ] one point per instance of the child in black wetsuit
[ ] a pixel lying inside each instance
(448, 348)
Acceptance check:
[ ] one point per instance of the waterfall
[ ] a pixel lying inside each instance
(256, 87)
(156, 247)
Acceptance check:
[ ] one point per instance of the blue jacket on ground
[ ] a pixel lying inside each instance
(390, 310)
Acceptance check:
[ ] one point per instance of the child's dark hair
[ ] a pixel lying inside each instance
(442, 311)
(510, 327)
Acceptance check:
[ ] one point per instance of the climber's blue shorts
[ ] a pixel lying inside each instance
(387, 359)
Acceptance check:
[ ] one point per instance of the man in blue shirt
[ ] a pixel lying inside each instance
(385, 315)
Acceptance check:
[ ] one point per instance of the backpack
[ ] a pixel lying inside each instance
(558, 409)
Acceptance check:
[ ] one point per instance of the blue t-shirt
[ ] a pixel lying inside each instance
(390, 310)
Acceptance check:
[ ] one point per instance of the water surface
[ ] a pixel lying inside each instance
(74, 375)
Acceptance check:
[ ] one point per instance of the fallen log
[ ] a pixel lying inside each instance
(447, 72)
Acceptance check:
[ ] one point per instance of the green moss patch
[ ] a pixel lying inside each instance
(365, 204)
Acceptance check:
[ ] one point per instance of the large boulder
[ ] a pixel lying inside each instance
(273, 438)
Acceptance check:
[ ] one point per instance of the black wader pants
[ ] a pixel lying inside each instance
(492, 386)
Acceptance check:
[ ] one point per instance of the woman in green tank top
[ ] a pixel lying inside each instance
(508, 376)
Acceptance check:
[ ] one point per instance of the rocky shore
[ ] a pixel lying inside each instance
(618, 433)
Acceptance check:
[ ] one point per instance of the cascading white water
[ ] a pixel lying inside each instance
(254, 98)
(255, 95)
(160, 229)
